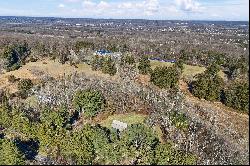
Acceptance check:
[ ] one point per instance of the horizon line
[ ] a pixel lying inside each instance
(62, 17)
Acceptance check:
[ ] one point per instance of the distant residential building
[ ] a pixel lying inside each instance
(105, 53)
(119, 125)
(162, 60)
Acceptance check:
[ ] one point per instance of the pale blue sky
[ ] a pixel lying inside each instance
(145, 9)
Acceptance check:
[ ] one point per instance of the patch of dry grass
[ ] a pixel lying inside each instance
(35, 71)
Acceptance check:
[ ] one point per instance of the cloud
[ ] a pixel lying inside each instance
(88, 4)
(151, 7)
(103, 5)
(73, 10)
(147, 7)
(188, 5)
(125, 5)
(61, 5)
(96, 8)
(156, 9)
(72, 0)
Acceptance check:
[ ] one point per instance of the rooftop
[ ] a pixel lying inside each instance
(119, 125)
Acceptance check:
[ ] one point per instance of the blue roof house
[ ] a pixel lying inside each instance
(103, 52)
(162, 60)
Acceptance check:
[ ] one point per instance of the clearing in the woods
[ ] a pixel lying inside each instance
(189, 70)
(130, 118)
(37, 70)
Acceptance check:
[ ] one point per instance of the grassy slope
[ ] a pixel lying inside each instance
(189, 70)
(56, 69)
(35, 70)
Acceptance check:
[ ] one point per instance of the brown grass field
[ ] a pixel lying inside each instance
(35, 70)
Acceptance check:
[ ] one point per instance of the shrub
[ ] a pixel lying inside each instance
(83, 44)
(33, 59)
(137, 144)
(63, 56)
(165, 77)
(144, 65)
(212, 69)
(208, 85)
(113, 48)
(184, 55)
(179, 65)
(10, 154)
(127, 60)
(12, 78)
(236, 67)
(24, 86)
(108, 67)
(15, 56)
(79, 149)
(100, 138)
(90, 102)
(236, 95)
(179, 120)
(166, 154)
(2, 95)
(105, 64)
(96, 63)
(15, 66)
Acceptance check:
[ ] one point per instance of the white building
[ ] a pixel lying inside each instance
(106, 53)
(119, 125)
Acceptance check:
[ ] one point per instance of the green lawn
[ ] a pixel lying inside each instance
(189, 70)
(155, 63)
(32, 101)
(130, 118)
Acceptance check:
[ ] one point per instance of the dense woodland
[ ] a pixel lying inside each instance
(63, 129)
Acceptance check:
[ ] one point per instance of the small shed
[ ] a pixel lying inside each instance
(119, 125)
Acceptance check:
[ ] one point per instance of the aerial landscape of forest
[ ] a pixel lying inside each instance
(103, 89)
